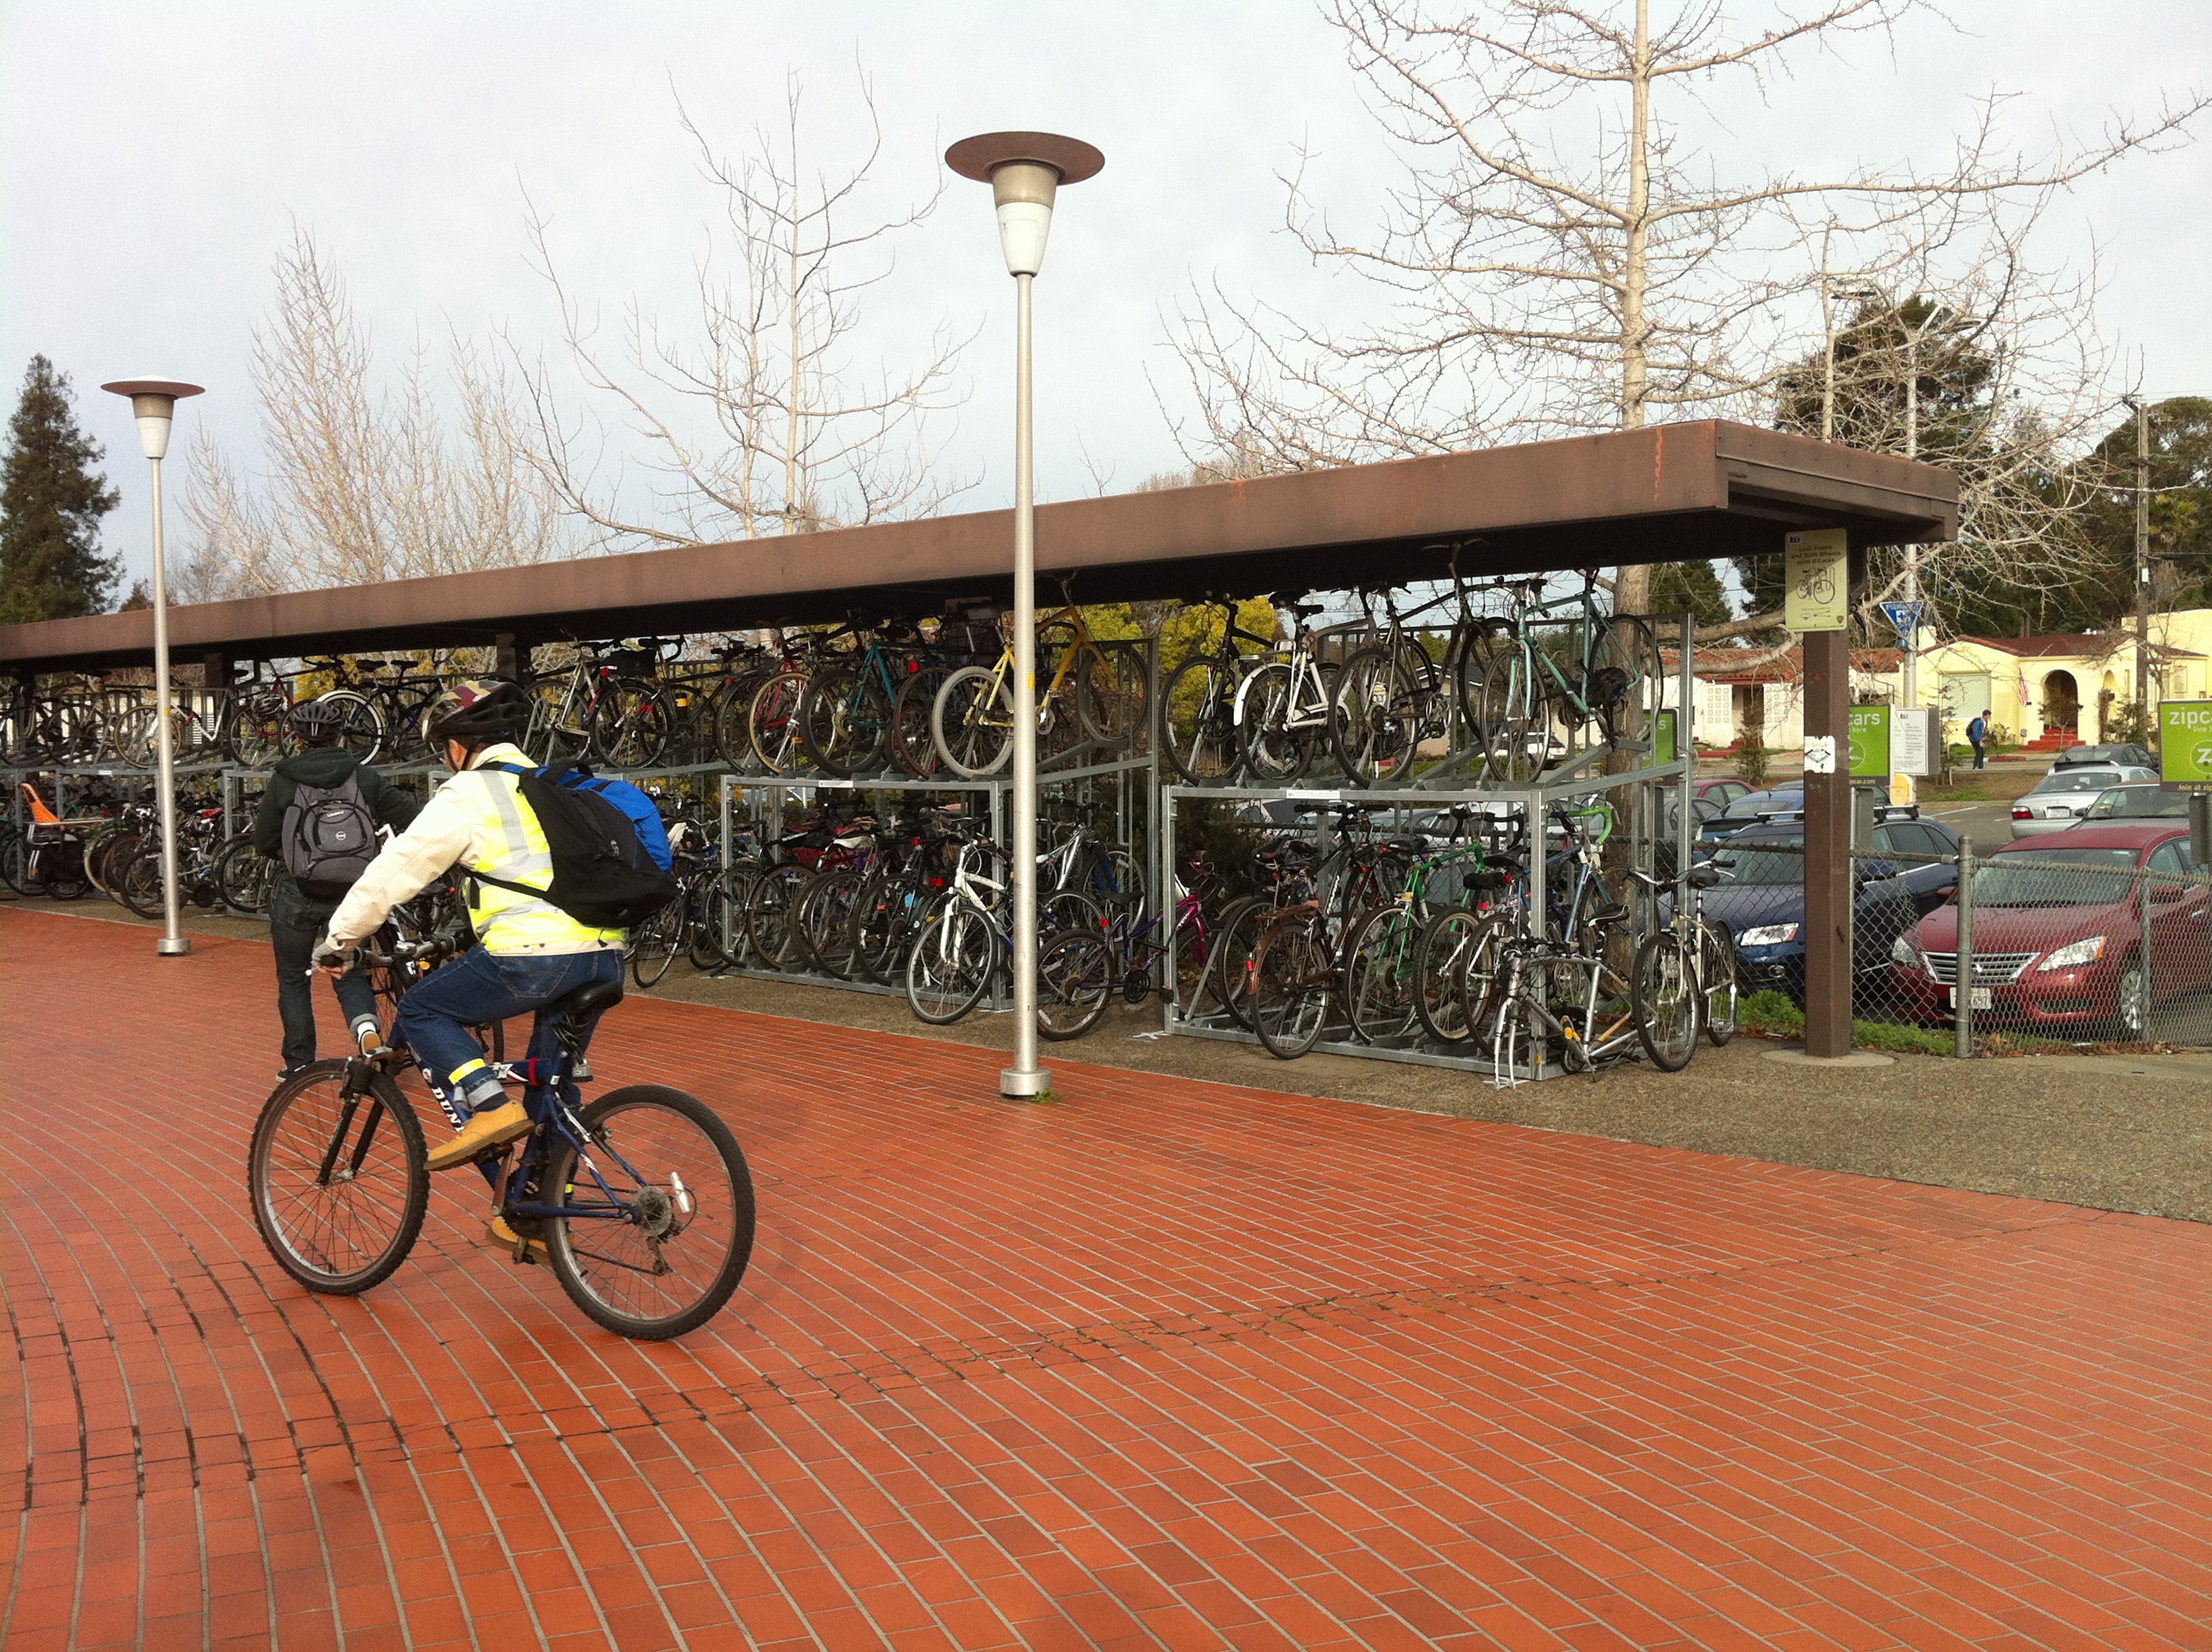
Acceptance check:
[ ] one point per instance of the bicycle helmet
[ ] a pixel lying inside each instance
(315, 720)
(479, 712)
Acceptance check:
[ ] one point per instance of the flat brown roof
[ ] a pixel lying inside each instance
(1665, 494)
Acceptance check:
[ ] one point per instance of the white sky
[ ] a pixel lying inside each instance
(153, 157)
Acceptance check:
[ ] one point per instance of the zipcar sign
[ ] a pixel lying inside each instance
(2185, 744)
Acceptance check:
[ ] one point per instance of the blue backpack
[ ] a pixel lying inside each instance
(611, 857)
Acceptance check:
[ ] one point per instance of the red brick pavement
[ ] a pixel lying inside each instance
(1166, 1365)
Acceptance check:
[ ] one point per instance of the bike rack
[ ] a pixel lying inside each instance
(1579, 774)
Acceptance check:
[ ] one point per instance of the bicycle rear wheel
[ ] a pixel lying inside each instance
(654, 942)
(663, 1253)
(1717, 974)
(1379, 974)
(1197, 721)
(1075, 977)
(337, 1183)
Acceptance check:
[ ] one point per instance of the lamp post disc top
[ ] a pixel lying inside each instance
(175, 387)
(1071, 157)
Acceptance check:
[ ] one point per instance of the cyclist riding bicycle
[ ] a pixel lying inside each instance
(529, 951)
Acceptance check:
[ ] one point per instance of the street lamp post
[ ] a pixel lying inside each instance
(1024, 170)
(153, 402)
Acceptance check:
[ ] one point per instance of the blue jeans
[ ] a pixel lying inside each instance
(436, 1014)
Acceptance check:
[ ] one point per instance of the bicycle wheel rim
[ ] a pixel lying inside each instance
(1075, 976)
(950, 967)
(1664, 1001)
(654, 1150)
(344, 1235)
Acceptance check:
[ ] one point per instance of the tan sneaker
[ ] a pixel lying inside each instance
(493, 1127)
(501, 1236)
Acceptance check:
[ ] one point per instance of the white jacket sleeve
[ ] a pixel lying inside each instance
(441, 835)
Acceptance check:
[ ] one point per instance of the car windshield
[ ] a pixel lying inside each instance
(1765, 862)
(2074, 780)
(2055, 878)
(2140, 803)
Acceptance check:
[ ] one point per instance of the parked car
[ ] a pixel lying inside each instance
(2124, 757)
(2139, 800)
(2063, 796)
(1721, 789)
(2059, 934)
(1929, 884)
(1761, 899)
(1782, 806)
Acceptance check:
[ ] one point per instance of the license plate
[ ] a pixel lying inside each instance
(1977, 997)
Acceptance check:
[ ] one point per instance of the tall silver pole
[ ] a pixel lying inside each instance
(173, 943)
(1025, 1079)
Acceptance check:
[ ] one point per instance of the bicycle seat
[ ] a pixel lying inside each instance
(588, 1001)
(1704, 875)
(1305, 610)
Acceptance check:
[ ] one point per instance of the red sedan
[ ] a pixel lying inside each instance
(2058, 933)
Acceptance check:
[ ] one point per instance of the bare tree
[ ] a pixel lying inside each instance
(1556, 258)
(757, 423)
(362, 486)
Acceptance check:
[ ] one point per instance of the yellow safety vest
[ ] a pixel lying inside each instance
(506, 920)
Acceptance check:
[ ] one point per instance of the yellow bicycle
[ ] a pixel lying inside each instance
(1092, 691)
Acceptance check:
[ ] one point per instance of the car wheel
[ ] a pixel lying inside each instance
(2131, 1017)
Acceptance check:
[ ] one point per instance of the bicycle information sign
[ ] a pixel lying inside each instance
(2185, 744)
(1816, 571)
(1869, 743)
(1903, 616)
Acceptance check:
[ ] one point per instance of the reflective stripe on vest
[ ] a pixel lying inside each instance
(508, 920)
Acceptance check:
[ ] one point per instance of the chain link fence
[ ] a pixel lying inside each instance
(2042, 945)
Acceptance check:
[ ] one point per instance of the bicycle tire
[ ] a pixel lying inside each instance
(1074, 979)
(952, 962)
(1374, 718)
(823, 916)
(593, 1287)
(654, 942)
(1273, 752)
(1718, 963)
(768, 915)
(1111, 692)
(139, 888)
(245, 878)
(1200, 744)
(1290, 981)
(314, 1261)
(844, 719)
(633, 724)
(1379, 975)
(360, 724)
(772, 722)
(965, 726)
(1241, 922)
(912, 745)
(1514, 714)
(1662, 999)
(702, 944)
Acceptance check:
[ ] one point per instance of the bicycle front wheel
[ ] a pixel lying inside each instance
(1717, 976)
(661, 1226)
(953, 961)
(972, 722)
(1291, 983)
(1663, 999)
(336, 1182)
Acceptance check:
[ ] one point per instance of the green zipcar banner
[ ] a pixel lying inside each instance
(1869, 743)
(2185, 744)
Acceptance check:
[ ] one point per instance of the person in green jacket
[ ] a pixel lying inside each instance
(313, 845)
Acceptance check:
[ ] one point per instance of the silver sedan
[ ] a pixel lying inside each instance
(2064, 796)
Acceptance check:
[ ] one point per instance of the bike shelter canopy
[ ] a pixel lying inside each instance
(1664, 494)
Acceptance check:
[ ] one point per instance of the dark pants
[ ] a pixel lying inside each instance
(295, 924)
(1978, 754)
(435, 1016)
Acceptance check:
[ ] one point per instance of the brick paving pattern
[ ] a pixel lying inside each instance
(1166, 1365)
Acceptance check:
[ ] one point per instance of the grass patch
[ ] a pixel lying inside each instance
(1773, 1015)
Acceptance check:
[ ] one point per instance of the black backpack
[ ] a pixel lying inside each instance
(604, 874)
(330, 838)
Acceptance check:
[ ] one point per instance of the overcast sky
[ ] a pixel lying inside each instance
(157, 156)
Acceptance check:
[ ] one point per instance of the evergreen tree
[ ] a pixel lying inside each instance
(51, 503)
(1692, 588)
(2180, 510)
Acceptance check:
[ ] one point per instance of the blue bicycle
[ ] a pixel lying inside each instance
(640, 1201)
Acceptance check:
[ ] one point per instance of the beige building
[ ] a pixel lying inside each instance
(2043, 690)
